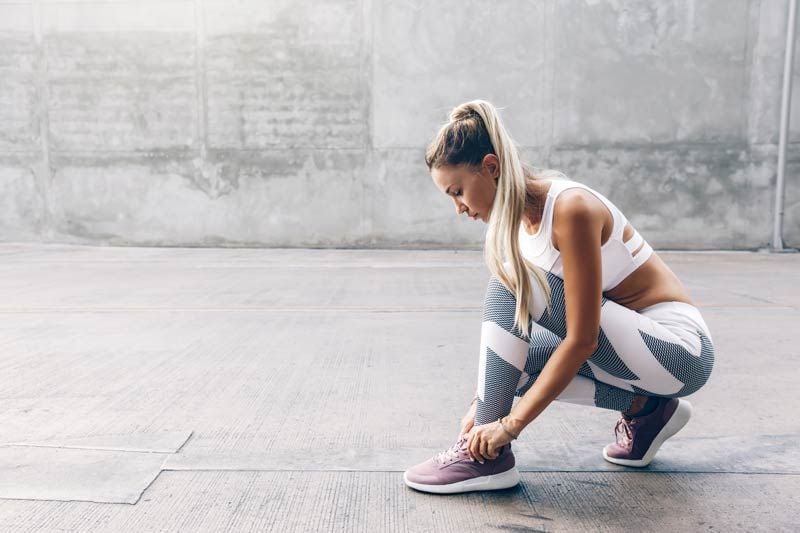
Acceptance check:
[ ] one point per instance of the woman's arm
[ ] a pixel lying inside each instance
(578, 221)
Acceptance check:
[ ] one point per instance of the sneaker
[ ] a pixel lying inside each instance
(453, 471)
(639, 438)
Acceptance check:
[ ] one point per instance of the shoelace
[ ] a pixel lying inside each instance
(626, 432)
(451, 453)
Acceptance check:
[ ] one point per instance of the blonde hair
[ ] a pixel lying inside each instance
(473, 132)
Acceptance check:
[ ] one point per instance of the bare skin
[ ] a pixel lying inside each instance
(581, 225)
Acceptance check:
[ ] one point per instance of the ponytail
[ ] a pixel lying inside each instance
(474, 131)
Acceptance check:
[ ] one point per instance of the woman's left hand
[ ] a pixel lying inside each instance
(484, 441)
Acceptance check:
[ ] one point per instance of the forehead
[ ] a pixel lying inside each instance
(448, 175)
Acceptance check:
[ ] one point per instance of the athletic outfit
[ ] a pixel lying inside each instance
(664, 350)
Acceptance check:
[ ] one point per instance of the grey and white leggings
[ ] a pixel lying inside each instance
(662, 350)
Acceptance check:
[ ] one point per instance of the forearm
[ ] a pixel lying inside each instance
(559, 371)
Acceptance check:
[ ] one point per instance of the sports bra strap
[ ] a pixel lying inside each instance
(635, 242)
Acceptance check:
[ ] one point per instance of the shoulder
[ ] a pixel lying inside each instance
(577, 204)
(579, 217)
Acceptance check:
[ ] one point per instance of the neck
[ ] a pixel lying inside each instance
(536, 194)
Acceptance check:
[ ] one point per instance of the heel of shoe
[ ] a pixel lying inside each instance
(676, 422)
(506, 480)
(681, 416)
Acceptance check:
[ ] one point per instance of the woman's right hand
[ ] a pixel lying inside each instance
(469, 419)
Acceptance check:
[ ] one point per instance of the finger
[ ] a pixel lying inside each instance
(492, 452)
(474, 448)
(491, 449)
(485, 449)
(470, 444)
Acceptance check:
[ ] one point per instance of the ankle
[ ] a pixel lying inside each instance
(642, 406)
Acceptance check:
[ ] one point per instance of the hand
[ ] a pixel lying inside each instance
(484, 441)
(469, 419)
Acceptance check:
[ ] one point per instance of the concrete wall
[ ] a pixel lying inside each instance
(303, 123)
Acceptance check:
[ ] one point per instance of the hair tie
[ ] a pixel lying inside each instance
(471, 113)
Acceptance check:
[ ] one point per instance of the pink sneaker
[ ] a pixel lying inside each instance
(453, 471)
(639, 438)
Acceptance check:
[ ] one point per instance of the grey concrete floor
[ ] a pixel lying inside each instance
(156, 389)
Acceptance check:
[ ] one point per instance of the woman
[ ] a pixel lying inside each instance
(578, 308)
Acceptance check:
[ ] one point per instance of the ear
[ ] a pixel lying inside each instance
(492, 164)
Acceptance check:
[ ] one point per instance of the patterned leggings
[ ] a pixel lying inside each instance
(667, 352)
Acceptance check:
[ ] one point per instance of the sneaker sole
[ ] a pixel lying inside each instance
(505, 480)
(676, 422)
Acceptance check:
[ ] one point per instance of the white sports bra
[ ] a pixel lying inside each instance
(617, 258)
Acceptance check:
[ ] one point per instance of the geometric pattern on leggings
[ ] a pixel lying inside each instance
(539, 351)
(685, 367)
(604, 356)
(501, 379)
(555, 318)
(605, 396)
(499, 306)
(610, 397)
(541, 347)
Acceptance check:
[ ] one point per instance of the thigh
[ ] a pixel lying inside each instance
(634, 353)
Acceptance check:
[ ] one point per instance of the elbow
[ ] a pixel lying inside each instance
(585, 346)
(589, 348)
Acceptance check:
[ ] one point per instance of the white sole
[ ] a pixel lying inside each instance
(506, 480)
(679, 419)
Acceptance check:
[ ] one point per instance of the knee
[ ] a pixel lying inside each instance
(499, 304)
(702, 371)
(700, 378)
(537, 301)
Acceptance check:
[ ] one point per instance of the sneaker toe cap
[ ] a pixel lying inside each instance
(616, 451)
(424, 473)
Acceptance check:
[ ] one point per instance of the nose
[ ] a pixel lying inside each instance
(460, 208)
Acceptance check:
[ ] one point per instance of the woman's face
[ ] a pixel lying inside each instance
(472, 189)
